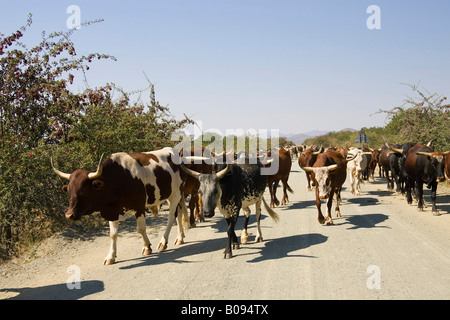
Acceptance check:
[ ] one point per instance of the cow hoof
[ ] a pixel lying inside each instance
(236, 245)
(146, 251)
(259, 239)
(107, 262)
(244, 239)
(179, 242)
(328, 221)
(338, 214)
(162, 246)
(436, 213)
(227, 255)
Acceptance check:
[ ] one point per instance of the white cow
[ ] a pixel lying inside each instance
(356, 165)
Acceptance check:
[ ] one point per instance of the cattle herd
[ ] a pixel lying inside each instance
(143, 181)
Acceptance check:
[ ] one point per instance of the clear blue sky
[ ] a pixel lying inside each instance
(295, 66)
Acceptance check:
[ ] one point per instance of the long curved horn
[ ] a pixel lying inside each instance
(190, 172)
(396, 150)
(307, 169)
(98, 173)
(428, 154)
(223, 172)
(332, 167)
(391, 148)
(59, 173)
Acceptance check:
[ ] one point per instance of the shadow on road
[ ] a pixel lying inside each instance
(366, 221)
(273, 249)
(57, 291)
(280, 248)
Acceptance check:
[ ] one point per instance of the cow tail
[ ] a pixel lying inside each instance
(269, 210)
(288, 187)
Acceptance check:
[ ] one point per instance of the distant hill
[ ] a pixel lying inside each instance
(300, 137)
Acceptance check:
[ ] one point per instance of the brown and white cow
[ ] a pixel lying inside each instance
(127, 182)
(328, 173)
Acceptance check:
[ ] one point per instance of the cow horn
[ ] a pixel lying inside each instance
(428, 154)
(59, 173)
(98, 173)
(307, 169)
(223, 172)
(392, 148)
(332, 167)
(190, 172)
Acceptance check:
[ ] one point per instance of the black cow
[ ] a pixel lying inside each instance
(424, 165)
(233, 187)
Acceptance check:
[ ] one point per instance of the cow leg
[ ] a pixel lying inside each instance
(244, 233)
(273, 194)
(173, 204)
(232, 239)
(328, 219)
(433, 199)
(259, 237)
(193, 209)
(198, 209)
(308, 179)
(113, 231)
(318, 204)
(358, 182)
(338, 199)
(180, 236)
(419, 195)
(285, 199)
(409, 183)
(141, 227)
(352, 182)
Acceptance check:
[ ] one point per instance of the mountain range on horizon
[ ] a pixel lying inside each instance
(298, 138)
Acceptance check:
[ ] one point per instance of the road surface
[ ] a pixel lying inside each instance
(381, 248)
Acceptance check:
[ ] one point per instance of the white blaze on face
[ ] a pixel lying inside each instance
(323, 181)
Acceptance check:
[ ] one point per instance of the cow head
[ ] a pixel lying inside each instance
(437, 161)
(83, 189)
(357, 156)
(210, 189)
(322, 177)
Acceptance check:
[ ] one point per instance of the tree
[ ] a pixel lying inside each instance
(420, 119)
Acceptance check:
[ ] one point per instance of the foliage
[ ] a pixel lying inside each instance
(347, 138)
(420, 119)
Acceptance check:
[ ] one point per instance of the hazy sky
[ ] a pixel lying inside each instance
(295, 66)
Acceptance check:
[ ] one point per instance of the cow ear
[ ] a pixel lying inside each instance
(64, 188)
(98, 184)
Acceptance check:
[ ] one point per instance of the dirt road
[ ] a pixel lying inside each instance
(381, 248)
